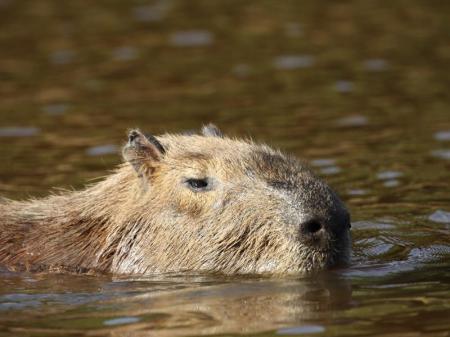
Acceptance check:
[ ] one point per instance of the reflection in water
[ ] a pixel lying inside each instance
(387, 175)
(102, 150)
(172, 306)
(343, 86)
(289, 62)
(55, 109)
(442, 136)
(125, 54)
(357, 191)
(193, 38)
(151, 13)
(441, 154)
(60, 57)
(440, 216)
(376, 65)
(353, 121)
(18, 131)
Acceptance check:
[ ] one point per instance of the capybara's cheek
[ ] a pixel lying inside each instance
(189, 205)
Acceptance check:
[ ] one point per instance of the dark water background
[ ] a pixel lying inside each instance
(360, 89)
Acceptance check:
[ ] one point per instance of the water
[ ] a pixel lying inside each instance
(360, 89)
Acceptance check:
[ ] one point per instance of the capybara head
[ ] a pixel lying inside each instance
(208, 202)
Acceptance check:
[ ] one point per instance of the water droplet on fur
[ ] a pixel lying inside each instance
(290, 62)
(192, 38)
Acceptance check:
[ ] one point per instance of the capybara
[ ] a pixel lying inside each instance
(184, 202)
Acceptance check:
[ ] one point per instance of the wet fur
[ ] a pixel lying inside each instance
(141, 219)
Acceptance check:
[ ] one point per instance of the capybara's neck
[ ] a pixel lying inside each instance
(77, 231)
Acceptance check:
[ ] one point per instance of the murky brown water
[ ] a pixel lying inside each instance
(358, 88)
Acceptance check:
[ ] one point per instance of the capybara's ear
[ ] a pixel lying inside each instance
(211, 130)
(142, 150)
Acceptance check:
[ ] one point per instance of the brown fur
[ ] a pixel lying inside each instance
(144, 218)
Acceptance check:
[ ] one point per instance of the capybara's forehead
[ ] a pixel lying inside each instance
(233, 154)
(196, 147)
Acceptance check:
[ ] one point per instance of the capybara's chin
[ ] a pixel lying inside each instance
(198, 202)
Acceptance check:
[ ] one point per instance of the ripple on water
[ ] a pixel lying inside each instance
(371, 225)
(375, 247)
(55, 109)
(343, 86)
(326, 166)
(121, 320)
(357, 192)
(125, 53)
(441, 154)
(442, 135)
(63, 56)
(191, 38)
(6, 306)
(14, 131)
(352, 121)
(330, 170)
(151, 13)
(375, 65)
(389, 175)
(440, 216)
(293, 29)
(391, 183)
(290, 62)
(102, 150)
(429, 254)
(301, 330)
(241, 70)
(322, 162)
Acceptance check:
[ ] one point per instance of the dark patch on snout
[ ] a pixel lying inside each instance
(274, 167)
(279, 171)
(282, 185)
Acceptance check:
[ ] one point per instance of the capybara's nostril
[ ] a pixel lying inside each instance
(311, 226)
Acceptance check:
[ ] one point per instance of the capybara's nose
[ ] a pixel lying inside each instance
(316, 230)
(311, 227)
(312, 230)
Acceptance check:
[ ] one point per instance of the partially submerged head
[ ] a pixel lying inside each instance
(208, 202)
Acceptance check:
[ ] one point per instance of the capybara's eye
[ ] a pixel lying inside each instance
(197, 184)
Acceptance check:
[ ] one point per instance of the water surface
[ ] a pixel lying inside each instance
(358, 89)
